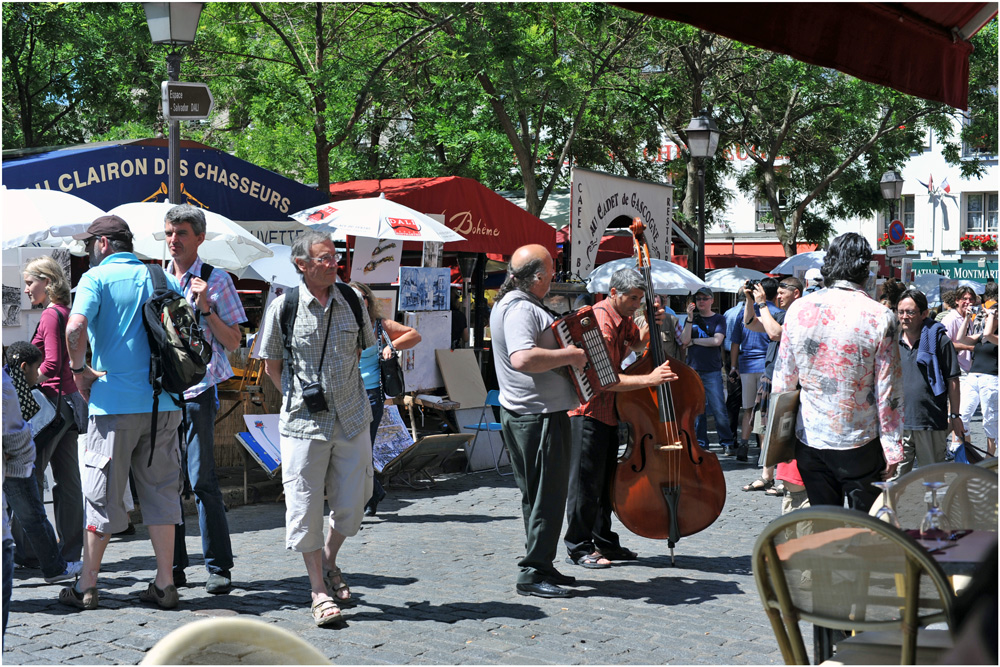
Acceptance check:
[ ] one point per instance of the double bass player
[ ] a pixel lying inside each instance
(589, 539)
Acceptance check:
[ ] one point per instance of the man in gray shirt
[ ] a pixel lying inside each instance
(534, 400)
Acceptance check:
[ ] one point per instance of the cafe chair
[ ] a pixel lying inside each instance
(842, 569)
(492, 400)
(989, 464)
(969, 499)
(233, 641)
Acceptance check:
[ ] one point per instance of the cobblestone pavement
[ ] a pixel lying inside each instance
(434, 575)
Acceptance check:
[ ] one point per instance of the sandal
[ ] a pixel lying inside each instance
(335, 583)
(594, 561)
(621, 553)
(325, 612)
(85, 600)
(776, 491)
(759, 484)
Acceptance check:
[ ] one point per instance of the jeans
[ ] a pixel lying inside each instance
(715, 402)
(199, 416)
(26, 504)
(8, 578)
(377, 401)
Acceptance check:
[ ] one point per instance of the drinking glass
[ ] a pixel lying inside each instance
(935, 526)
(886, 512)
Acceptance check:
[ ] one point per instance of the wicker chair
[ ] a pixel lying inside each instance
(969, 497)
(233, 641)
(842, 569)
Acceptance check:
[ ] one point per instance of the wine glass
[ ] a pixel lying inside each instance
(935, 526)
(886, 512)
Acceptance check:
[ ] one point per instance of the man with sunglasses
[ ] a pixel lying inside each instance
(704, 333)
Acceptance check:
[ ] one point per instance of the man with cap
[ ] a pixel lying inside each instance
(704, 333)
(814, 281)
(108, 307)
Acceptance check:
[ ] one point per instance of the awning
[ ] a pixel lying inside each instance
(918, 48)
(112, 173)
(490, 223)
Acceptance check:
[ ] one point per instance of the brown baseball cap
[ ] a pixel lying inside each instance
(106, 225)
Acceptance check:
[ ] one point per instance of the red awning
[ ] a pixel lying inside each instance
(914, 47)
(489, 223)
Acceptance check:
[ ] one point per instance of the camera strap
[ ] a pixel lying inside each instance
(287, 322)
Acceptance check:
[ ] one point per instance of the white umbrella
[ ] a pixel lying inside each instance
(276, 269)
(41, 216)
(376, 217)
(930, 285)
(731, 279)
(668, 278)
(227, 245)
(803, 261)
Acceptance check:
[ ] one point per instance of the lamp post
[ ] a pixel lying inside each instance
(892, 189)
(174, 23)
(703, 140)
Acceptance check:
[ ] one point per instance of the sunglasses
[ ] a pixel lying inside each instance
(787, 286)
(703, 297)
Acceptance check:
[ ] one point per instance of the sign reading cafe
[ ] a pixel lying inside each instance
(599, 199)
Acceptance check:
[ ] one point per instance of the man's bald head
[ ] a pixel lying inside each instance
(530, 270)
(528, 253)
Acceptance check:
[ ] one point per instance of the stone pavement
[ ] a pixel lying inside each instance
(434, 575)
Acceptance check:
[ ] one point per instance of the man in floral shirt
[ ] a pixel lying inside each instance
(840, 346)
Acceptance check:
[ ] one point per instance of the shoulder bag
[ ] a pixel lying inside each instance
(391, 370)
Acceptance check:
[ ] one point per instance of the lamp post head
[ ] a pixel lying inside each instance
(703, 136)
(892, 185)
(173, 23)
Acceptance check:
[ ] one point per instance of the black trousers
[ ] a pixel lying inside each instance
(538, 447)
(830, 475)
(588, 503)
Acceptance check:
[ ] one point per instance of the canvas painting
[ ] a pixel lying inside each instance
(423, 288)
(386, 302)
(264, 429)
(376, 261)
(420, 363)
(391, 439)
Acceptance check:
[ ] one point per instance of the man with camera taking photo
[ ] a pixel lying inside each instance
(325, 415)
(703, 334)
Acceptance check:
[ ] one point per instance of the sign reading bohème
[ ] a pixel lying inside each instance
(186, 101)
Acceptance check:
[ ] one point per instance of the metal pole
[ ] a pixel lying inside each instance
(701, 218)
(174, 142)
(892, 216)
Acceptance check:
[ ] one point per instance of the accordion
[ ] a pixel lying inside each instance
(580, 328)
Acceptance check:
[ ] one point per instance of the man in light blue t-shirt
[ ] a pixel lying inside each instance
(108, 306)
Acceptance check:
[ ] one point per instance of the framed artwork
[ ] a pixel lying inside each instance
(387, 302)
(375, 261)
(424, 288)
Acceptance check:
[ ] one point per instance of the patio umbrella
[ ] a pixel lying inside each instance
(276, 269)
(731, 279)
(803, 261)
(668, 278)
(43, 216)
(227, 245)
(376, 217)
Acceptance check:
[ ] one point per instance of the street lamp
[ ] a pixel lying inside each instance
(703, 140)
(174, 23)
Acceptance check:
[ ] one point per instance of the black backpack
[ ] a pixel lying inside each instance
(179, 353)
(290, 307)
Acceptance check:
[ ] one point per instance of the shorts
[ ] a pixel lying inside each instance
(750, 382)
(340, 466)
(117, 443)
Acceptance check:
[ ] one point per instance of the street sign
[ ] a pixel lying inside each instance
(895, 250)
(186, 101)
(897, 233)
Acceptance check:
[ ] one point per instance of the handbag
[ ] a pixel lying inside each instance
(391, 370)
(53, 418)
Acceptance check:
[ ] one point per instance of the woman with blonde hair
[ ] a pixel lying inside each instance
(46, 285)
(389, 335)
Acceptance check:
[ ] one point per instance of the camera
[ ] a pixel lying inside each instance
(312, 396)
(975, 310)
(750, 284)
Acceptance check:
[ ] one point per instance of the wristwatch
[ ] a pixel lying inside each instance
(205, 313)
(77, 371)
(954, 416)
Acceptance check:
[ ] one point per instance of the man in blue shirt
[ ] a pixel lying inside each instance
(747, 355)
(734, 390)
(108, 306)
(704, 333)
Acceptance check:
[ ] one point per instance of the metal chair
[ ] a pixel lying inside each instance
(989, 464)
(492, 400)
(842, 569)
(968, 499)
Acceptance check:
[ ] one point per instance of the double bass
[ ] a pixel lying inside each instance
(665, 485)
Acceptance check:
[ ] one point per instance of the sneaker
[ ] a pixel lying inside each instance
(741, 452)
(72, 571)
(218, 584)
(165, 599)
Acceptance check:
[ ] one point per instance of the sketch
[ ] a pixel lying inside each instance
(376, 261)
(420, 362)
(424, 288)
(433, 251)
(390, 439)
(11, 306)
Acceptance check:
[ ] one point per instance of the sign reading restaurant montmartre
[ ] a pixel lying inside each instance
(186, 101)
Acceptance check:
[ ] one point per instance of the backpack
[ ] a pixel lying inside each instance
(289, 310)
(179, 353)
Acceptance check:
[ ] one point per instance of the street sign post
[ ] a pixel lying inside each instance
(895, 250)
(897, 233)
(186, 101)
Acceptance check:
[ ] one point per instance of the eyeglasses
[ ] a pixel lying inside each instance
(703, 297)
(908, 313)
(327, 258)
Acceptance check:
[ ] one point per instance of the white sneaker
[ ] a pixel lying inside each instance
(72, 571)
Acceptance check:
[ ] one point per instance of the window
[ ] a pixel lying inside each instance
(763, 220)
(974, 148)
(906, 213)
(981, 213)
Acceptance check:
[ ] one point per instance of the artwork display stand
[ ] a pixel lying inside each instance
(430, 451)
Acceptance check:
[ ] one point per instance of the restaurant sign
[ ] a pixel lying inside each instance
(959, 270)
